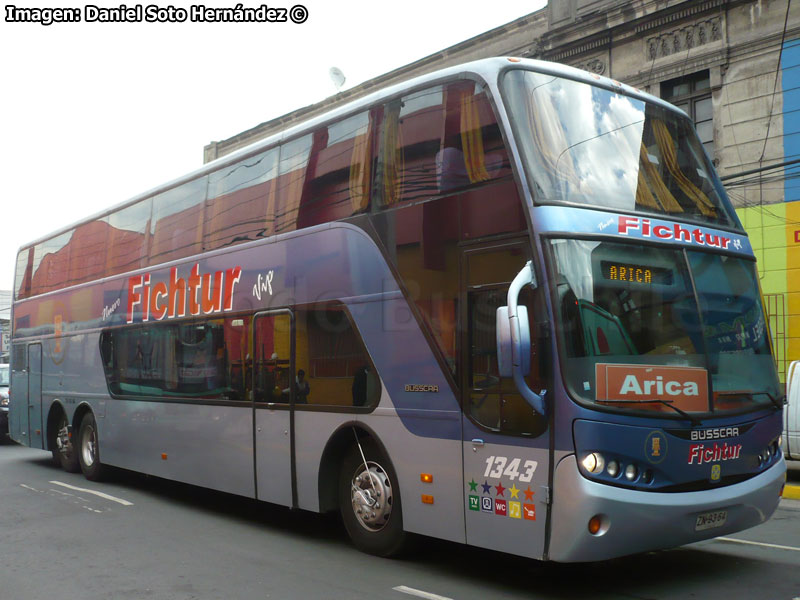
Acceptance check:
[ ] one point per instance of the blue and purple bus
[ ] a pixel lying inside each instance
(506, 304)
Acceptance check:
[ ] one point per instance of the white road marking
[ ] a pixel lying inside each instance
(762, 544)
(100, 494)
(60, 493)
(27, 487)
(419, 593)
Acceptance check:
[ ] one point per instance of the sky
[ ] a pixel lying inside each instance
(94, 113)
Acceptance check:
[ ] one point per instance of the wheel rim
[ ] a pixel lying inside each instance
(371, 496)
(63, 440)
(89, 445)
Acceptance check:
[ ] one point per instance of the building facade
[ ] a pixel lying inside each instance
(732, 65)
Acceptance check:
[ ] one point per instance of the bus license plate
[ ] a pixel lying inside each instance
(710, 520)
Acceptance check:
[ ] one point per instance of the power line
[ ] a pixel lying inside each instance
(778, 70)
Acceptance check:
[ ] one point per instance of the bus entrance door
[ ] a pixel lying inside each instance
(35, 436)
(505, 448)
(273, 406)
(18, 419)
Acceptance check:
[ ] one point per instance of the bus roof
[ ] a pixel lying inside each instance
(487, 69)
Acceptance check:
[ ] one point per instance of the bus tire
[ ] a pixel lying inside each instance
(89, 449)
(371, 511)
(64, 451)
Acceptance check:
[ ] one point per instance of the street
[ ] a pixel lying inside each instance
(139, 537)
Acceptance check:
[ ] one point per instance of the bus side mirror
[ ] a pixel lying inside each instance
(514, 339)
(506, 343)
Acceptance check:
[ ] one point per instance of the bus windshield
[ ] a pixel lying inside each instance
(587, 145)
(643, 327)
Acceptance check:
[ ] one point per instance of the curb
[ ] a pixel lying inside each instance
(791, 492)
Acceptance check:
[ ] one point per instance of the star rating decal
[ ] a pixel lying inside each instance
(514, 507)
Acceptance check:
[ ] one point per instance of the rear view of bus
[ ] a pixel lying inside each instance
(668, 415)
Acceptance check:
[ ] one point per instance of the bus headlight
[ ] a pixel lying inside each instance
(631, 472)
(613, 468)
(594, 462)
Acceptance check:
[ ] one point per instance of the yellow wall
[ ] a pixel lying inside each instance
(771, 229)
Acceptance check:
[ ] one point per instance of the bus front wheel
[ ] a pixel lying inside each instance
(369, 500)
(89, 449)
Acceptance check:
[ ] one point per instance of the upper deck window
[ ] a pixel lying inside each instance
(431, 143)
(588, 145)
(439, 140)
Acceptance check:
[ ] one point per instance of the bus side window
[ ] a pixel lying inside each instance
(128, 237)
(195, 359)
(176, 229)
(23, 274)
(241, 201)
(19, 357)
(338, 368)
(272, 346)
(340, 169)
(495, 402)
(438, 140)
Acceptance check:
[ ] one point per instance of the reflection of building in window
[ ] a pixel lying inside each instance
(692, 94)
(333, 348)
(334, 358)
(272, 364)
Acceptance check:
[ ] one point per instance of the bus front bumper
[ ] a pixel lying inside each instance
(635, 521)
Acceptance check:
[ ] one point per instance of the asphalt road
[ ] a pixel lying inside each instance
(148, 538)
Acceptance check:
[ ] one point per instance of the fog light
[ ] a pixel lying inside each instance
(613, 468)
(595, 523)
(594, 462)
(631, 472)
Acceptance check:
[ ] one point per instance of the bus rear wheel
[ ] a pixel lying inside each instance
(369, 501)
(64, 452)
(89, 449)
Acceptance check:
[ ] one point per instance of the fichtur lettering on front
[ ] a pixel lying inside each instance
(675, 232)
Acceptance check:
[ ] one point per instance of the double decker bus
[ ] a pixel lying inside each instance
(506, 304)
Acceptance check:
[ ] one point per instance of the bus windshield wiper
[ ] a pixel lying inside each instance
(693, 420)
(777, 401)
